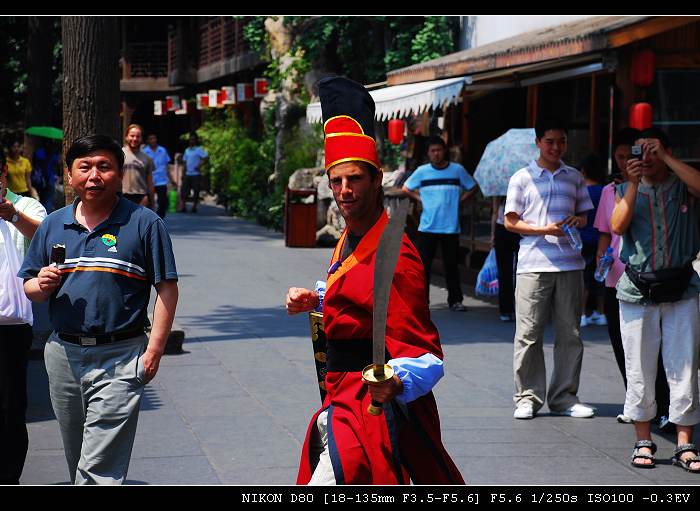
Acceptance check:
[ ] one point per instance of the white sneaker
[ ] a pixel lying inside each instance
(524, 410)
(623, 419)
(585, 321)
(598, 319)
(578, 411)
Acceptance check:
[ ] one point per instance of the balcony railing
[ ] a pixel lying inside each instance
(220, 38)
(145, 60)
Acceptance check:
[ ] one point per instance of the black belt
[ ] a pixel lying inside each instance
(97, 339)
(347, 355)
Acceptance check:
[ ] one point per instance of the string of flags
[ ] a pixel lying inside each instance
(214, 98)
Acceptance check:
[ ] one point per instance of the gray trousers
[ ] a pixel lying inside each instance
(96, 394)
(539, 297)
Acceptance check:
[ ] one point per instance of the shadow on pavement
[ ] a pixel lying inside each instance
(39, 404)
(231, 323)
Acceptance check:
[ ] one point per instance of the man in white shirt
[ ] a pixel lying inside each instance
(23, 215)
(542, 198)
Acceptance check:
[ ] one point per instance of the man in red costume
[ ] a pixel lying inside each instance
(344, 443)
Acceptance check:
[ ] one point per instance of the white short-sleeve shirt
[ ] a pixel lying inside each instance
(541, 197)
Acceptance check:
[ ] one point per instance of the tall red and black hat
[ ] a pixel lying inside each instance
(348, 122)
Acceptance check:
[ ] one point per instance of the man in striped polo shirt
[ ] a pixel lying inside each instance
(98, 358)
(542, 197)
(441, 186)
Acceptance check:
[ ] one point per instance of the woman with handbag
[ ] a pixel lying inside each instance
(19, 218)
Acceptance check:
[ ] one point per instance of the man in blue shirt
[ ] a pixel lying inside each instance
(160, 158)
(45, 166)
(194, 156)
(98, 358)
(441, 187)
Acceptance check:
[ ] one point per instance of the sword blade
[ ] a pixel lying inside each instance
(384, 266)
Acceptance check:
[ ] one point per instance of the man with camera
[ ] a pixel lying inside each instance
(656, 215)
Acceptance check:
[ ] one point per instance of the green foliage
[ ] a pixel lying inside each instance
(239, 165)
(391, 155)
(301, 150)
(433, 40)
(256, 36)
(297, 69)
(365, 48)
(14, 70)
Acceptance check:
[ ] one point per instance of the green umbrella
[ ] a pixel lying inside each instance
(45, 131)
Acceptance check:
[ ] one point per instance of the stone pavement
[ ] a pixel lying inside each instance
(234, 408)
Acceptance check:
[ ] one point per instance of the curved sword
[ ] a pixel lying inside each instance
(384, 265)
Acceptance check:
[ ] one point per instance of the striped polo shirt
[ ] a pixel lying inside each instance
(663, 234)
(108, 272)
(541, 197)
(440, 190)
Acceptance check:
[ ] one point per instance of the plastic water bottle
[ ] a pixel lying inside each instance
(601, 271)
(573, 236)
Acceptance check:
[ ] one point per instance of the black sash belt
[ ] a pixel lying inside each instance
(98, 339)
(347, 355)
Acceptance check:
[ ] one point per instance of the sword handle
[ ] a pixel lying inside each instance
(375, 408)
(372, 374)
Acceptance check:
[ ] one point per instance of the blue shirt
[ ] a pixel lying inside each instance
(45, 165)
(440, 190)
(589, 234)
(193, 159)
(160, 158)
(418, 375)
(108, 273)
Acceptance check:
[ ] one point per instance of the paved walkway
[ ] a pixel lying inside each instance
(235, 407)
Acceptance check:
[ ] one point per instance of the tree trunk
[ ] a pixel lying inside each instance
(40, 78)
(90, 80)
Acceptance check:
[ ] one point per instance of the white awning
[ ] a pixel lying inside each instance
(402, 100)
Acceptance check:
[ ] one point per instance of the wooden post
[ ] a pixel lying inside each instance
(465, 122)
(533, 97)
(611, 125)
(593, 119)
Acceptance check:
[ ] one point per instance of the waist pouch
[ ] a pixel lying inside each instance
(667, 285)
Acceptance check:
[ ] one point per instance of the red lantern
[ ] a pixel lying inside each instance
(396, 131)
(643, 68)
(641, 115)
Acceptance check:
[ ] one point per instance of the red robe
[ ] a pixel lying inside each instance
(394, 446)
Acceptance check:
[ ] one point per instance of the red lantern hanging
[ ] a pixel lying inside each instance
(396, 127)
(641, 115)
(643, 68)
